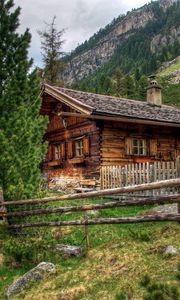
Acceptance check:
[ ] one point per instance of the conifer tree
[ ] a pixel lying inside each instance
(142, 87)
(22, 128)
(51, 44)
(119, 84)
(130, 87)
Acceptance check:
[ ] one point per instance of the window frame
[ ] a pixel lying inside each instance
(140, 148)
(79, 148)
(59, 151)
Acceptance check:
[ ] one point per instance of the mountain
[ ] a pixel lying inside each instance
(136, 43)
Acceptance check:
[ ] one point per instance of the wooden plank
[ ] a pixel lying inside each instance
(122, 119)
(88, 182)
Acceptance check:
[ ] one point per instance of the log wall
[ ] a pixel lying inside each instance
(70, 170)
(163, 144)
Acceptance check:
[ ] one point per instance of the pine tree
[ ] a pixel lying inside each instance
(22, 128)
(130, 87)
(119, 85)
(142, 87)
(51, 43)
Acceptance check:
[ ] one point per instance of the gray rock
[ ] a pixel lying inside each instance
(167, 208)
(32, 276)
(171, 250)
(92, 212)
(68, 249)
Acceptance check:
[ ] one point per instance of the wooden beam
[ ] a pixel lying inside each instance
(127, 220)
(119, 119)
(143, 201)
(101, 193)
(66, 99)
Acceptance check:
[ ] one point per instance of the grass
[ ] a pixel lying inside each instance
(119, 257)
(173, 67)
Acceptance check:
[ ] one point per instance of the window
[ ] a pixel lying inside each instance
(59, 151)
(139, 147)
(79, 148)
(136, 146)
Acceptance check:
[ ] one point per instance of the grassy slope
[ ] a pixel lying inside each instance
(119, 257)
(173, 67)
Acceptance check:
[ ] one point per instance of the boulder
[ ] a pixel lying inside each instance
(33, 276)
(69, 250)
(171, 250)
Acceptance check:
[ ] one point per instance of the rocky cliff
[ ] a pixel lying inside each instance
(87, 62)
(160, 41)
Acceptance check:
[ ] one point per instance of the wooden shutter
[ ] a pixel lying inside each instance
(129, 146)
(70, 149)
(86, 145)
(178, 143)
(50, 152)
(153, 147)
(62, 150)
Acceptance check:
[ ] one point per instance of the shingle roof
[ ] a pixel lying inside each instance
(108, 105)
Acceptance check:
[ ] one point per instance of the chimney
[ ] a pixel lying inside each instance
(154, 95)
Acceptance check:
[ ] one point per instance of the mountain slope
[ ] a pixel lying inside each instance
(142, 39)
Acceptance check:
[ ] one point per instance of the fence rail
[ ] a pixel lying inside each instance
(20, 222)
(139, 173)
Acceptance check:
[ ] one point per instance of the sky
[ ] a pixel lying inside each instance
(80, 19)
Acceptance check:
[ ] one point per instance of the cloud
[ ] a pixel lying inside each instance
(80, 18)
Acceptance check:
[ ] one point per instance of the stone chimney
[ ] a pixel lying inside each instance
(154, 95)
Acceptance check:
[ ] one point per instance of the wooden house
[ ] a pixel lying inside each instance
(87, 131)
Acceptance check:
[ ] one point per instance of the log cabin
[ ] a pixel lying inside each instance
(87, 131)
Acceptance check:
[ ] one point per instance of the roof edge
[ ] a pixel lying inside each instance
(66, 99)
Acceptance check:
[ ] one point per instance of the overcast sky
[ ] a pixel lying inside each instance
(80, 18)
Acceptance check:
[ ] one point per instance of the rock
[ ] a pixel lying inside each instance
(166, 208)
(171, 250)
(32, 276)
(68, 249)
(92, 212)
(160, 41)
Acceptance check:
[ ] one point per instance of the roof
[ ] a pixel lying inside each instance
(97, 104)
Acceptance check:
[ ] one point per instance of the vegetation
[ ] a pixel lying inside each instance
(171, 68)
(120, 258)
(21, 150)
(127, 86)
(126, 73)
(51, 44)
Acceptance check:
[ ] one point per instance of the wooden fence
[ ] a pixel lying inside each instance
(139, 173)
(16, 219)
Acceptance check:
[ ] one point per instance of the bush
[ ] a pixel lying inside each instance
(142, 236)
(121, 296)
(159, 291)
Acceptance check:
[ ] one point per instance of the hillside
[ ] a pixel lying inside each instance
(125, 261)
(137, 44)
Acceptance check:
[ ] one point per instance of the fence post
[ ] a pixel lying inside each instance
(87, 233)
(3, 217)
(178, 176)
